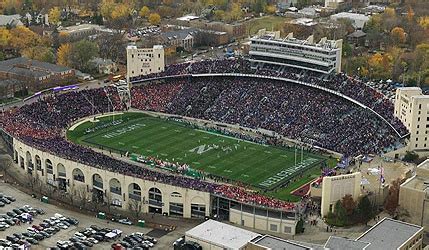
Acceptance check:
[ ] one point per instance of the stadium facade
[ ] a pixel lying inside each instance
(268, 48)
(124, 192)
(144, 61)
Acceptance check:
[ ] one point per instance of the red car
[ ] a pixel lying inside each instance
(37, 227)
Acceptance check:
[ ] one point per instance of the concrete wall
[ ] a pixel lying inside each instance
(261, 222)
(184, 196)
(204, 244)
(334, 188)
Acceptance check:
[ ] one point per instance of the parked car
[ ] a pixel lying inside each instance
(125, 221)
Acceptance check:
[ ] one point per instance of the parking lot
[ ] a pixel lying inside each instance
(22, 199)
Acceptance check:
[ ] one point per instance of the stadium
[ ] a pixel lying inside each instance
(210, 138)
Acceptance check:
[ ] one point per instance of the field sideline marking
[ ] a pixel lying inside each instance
(230, 137)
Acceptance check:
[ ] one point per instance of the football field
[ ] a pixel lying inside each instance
(261, 166)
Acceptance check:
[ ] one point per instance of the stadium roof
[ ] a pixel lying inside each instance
(221, 234)
(271, 242)
(340, 243)
(389, 234)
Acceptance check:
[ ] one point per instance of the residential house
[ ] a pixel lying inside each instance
(104, 66)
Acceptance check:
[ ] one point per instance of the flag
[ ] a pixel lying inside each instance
(382, 180)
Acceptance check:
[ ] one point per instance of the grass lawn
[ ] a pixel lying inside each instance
(267, 22)
(261, 166)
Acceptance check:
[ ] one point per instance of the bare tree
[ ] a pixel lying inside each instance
(136, 207)
(81, 195)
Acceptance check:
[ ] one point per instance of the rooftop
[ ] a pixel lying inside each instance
(324, 43)
(221, 234)
(187, 18)
(29, 67)
(340, 243)
(11, 20)
(81, 27)
(272, 242)
(356, 16)
(389, 234)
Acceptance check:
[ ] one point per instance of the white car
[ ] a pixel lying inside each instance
(92, 240)
(80, 236)
(150, 244)
(62, 226)
(92, 231)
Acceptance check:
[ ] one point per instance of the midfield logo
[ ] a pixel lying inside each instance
(201, 149)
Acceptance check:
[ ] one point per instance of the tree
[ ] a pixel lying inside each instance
(106, 8)
(398, 35)
(424, 22)
(219, 15)
(365, 209)
(259, 6)
(22, 37)
(236, 13)
(39, 53)
(270, 9)
(120, 11)
(54, 15)
(4, 37)
(144, 12)
(154, 18)
(410, 156)
(340, 213)
(82, 52)
(64, 55)
(135, 207)
(348, 204)
(392, 200)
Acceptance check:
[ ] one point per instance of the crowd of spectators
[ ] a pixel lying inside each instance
(341, 83)
(294, 111)
(41, 125)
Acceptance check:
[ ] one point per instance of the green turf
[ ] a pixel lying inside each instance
(238, 160)
(266, 22)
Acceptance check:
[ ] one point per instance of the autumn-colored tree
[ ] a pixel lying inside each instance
(22, 37)
(398, 35)
(389, 12)
(107, 7)
(54, 15)
(154, 18)
(349, 204)
(120, 11)
(64, 55)
(424, 22)
(144, 12)
(4, 37)
(270, 9)
(39, 53)
(410, 15)
(392, 200)
(219, 15)
(236, 13)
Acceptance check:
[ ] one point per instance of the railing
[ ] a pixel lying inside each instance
(98, 184)
(135, 196)
(49, 171)
(115, 190)
(155, 203)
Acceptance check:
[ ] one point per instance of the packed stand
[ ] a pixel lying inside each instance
(348, 86)
(41, 125)
(294, 111)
